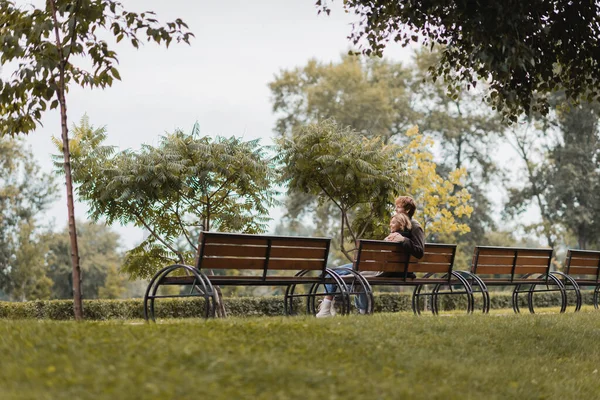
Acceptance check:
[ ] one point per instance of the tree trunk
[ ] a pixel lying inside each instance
(77, 303)
(220, 307)
(77, 296)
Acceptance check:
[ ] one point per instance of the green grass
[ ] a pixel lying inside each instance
(385, 356)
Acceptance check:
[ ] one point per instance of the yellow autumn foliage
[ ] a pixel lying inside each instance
(439, 201)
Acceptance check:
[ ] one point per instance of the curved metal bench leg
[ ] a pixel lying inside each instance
(515, 299)
(415, 299)
(201, 283)
(211, 306)
(343, 291)
(288, 300)
(596, 295)
(466, 286)
(568, 279)
(314, 292)
(417, 295)
(358, 285)
(476, 282)
(558, 283)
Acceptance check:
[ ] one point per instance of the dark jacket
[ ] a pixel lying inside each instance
(416, 240)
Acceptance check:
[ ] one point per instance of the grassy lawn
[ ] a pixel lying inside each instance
(385, 356)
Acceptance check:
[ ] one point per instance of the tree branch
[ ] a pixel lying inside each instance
(153, 233)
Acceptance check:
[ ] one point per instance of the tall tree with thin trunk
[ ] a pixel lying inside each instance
(50, 48)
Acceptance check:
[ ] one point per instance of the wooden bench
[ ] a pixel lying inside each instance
(257, 261)
(582, 268)
(433, 270)
(527, 269)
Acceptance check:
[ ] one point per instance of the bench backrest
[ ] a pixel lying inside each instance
(266, 253)
(583, 262)
(377, 255)
(511, 261)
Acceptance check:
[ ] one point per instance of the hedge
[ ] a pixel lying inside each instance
(236, 306)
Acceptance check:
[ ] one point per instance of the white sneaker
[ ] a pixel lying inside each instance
(325, 309)
(332, 308)
(362, 311)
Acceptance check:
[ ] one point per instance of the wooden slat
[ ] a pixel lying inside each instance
(381, 245)
(247, 263)
(401, 257)
(507, 270)
(232, 263)
(583, 262)
(533, 260)
(434, 258)
(295, 264)
(383, 256)
(484, 270)
(495, 260)
(439, 249)
(582, 271)
(235, 250)
(503, 261)
(307, 243)
(292, 252)
(583, 253)
(427, 267)
(530, 269)
(380, 266)
(225, 239)
(511, 251)
(399, 267)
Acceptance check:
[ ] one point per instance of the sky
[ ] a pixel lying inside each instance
(220, 80)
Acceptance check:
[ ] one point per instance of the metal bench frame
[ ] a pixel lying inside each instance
(528, 269)
(303, 256)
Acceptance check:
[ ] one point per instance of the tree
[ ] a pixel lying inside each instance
(381, 98)
(443, 201)
(575, 176)
(563, 172)
(25, 192)
(44, 44)
(185, 184)
(371, 96)
(101, 258)
(360, 177)
(525, 49)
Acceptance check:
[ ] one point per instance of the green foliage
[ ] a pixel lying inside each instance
(370, 95)
(185, 184)
(101, 310)
(525, 49)
(25, 192)
(45, 52)
(359, 175)
(562, 174)
(379, 98)
(100, 259)
(575, 174)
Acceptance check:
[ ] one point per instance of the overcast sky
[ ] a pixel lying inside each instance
(220, 80)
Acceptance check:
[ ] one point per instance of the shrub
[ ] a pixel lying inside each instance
(239, 306)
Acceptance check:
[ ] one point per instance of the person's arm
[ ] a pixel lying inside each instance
(394, 237)
(415, 244)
